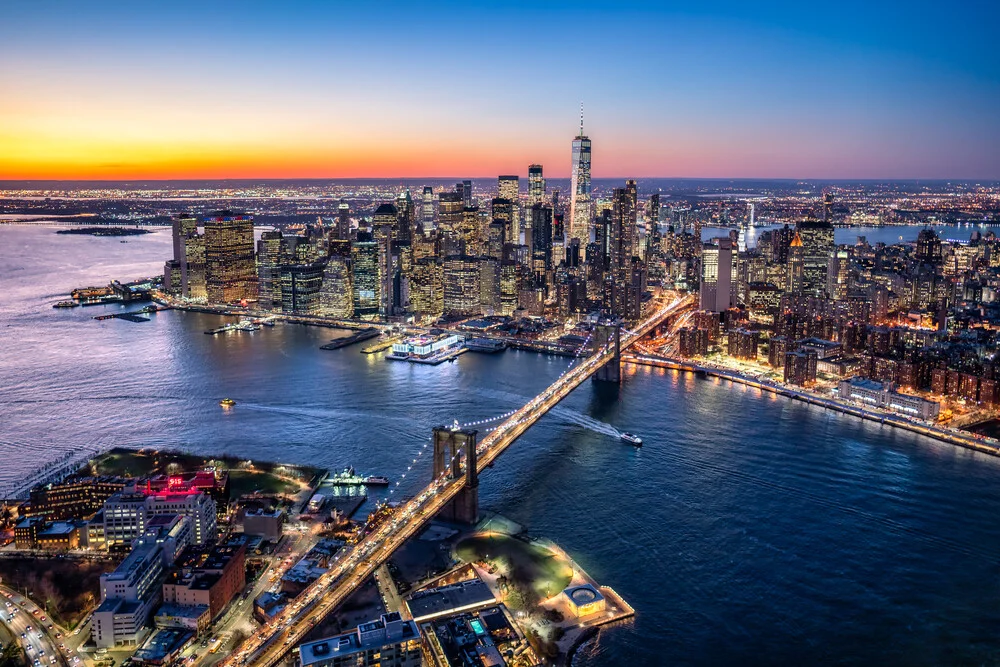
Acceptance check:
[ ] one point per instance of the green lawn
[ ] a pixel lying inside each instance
(528, 565)
(242, 482)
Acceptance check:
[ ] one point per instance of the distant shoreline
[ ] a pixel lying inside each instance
(105, 231)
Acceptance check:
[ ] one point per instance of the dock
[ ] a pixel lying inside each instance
(363, 335)
(381, 345)
(134, 315)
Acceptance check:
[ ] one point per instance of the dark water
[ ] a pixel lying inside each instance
(748, 529)
(888, 235)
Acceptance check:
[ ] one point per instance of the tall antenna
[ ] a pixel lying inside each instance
(581, 118)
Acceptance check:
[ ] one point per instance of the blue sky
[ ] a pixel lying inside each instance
(851, 90)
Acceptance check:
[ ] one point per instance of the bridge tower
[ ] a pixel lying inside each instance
(455, 449)
(611, 371)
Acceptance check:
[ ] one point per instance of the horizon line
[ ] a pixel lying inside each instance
(444, 178)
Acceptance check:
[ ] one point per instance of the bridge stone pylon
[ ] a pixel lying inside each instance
(455, 455)
(611, 371)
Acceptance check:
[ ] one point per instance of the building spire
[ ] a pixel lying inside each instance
(581, 118)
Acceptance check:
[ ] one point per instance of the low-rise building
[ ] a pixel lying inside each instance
(75, 498)
(264, 523)
(388, 642)
(34, 532)
(882, 395)
(584, 600)
(206, 576)
(451, 599)
(128, 596)
(196, 618)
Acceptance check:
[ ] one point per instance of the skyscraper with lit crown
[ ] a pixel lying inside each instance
(580, 188)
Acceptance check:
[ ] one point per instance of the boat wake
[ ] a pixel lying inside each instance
(589, 423)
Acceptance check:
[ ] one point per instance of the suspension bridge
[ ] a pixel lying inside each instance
(453, 493)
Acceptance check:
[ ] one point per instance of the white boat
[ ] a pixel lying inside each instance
(632, 439)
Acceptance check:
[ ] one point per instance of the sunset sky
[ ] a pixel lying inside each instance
(321, 89)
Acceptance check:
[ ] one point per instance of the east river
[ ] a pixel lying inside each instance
(749, 529)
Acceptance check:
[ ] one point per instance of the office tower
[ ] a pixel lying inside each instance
(536, 185)
(635, 290)
(817, 247)
(489, 285)
(828, 207)
(508, 187)
(337, 294)
(270, 255)
(461, 285)
(838, 275)
(365, 275)
(503, 212)
(509, 284)
(929, 247)
(185, 228)
(652, 225)
(342, 225)
(781, 239)
(450, 211)
(403, 232)
(470, 232)
(496, 239)
(300, 288)
(230, 268)
(620, 243)
(540, 216)
(796, 265)
(427, 208)
(464, 189)
(717, 273)
(427, 288)
(580, 189)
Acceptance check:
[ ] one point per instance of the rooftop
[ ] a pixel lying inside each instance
(365, 637)
(463, 596)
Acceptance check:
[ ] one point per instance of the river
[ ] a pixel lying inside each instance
(748, 529)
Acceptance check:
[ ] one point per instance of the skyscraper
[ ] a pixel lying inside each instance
(384, 227)
(717, 273)
(342, 230)
(580, 189)
(427, 208)
(230, 269)
(508, 187)
(337, 293)
(365, 275)
(817, 248)
(450, 213)
(270, 254)
(536, 185)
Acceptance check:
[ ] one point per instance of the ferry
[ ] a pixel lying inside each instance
(350, 478)
(227, 402)
(66, 304)
(632, 439)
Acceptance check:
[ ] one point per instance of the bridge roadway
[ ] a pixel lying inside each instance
(270, 643)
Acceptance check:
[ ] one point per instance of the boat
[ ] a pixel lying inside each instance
(66, 304)
(632, 439)
(227, 402)
(376, 480)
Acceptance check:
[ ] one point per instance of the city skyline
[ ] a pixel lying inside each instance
(332, 92)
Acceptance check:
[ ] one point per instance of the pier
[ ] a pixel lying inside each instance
(357, 337)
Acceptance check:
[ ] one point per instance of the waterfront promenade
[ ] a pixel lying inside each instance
(952, 436)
